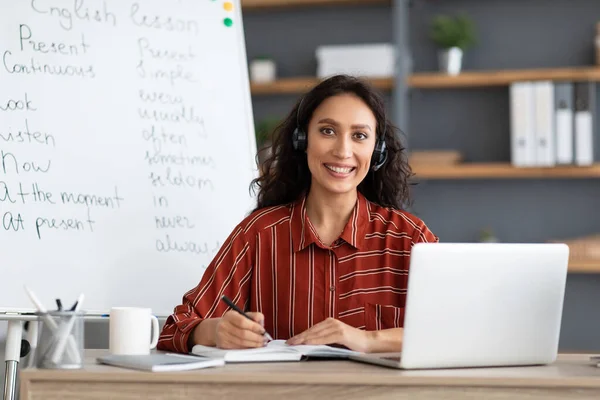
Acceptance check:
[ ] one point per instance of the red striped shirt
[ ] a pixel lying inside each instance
(273, 262)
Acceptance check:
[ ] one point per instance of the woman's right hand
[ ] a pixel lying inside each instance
(234, 331)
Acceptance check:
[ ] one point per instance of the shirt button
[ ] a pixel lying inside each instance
(332, 288)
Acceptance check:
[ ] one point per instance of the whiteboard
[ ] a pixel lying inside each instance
(126, 147)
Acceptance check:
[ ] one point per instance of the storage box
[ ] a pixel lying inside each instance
(368, 60)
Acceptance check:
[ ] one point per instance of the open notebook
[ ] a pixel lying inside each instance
(275, 350)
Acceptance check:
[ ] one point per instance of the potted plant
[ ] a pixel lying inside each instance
(263, 69)
(453, 35)
(263, 131)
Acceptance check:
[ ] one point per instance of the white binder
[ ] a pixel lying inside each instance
(522, 124)
(584, 122)
(563, 96)
(544, 124)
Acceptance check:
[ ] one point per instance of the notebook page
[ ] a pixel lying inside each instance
(267, 353)
(312, 350)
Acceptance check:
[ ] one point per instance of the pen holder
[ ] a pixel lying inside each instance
(60, 343)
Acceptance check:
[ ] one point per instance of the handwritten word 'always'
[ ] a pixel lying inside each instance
(168, 245)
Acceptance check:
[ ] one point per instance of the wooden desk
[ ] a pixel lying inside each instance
(572, 377)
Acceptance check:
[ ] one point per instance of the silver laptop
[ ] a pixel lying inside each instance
(481, 305)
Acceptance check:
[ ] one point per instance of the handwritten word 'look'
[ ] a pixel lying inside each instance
(17, 105)
(78, 11)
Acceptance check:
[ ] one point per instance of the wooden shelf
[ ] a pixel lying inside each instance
(585, 267)
(432, 80)
(303, 84)
(500, 171)
(262, 4)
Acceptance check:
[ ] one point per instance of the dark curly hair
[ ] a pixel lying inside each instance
(285, 174)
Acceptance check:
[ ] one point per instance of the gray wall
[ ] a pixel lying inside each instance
(512, 34)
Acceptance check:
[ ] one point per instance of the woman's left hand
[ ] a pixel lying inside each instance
(333, 331)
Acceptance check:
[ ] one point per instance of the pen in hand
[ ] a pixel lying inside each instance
(235, 308)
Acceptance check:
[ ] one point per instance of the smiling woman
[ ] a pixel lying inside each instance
(324, 257)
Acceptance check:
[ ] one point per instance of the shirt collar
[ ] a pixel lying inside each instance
(354, 232)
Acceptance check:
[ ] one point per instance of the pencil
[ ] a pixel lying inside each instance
(235, 308)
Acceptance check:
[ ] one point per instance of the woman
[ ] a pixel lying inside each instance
(324, 257)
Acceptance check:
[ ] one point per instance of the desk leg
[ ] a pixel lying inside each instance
(12, 356)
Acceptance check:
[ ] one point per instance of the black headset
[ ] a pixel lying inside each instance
(300, 142)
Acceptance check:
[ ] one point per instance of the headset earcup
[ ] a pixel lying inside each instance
(379, 155)
(299, 139)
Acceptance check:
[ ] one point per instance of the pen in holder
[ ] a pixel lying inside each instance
(60, 345)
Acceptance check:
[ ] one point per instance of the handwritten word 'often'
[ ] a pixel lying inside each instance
(168, 23)
(9, 163)
(78, 12)
(65, 224)
(147, 50)
(34, 67)
(17, 105)
(27, 136)
(162, 137)
(25, 38)
(178, 179)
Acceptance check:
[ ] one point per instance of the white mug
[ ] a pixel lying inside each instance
(131, 330)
